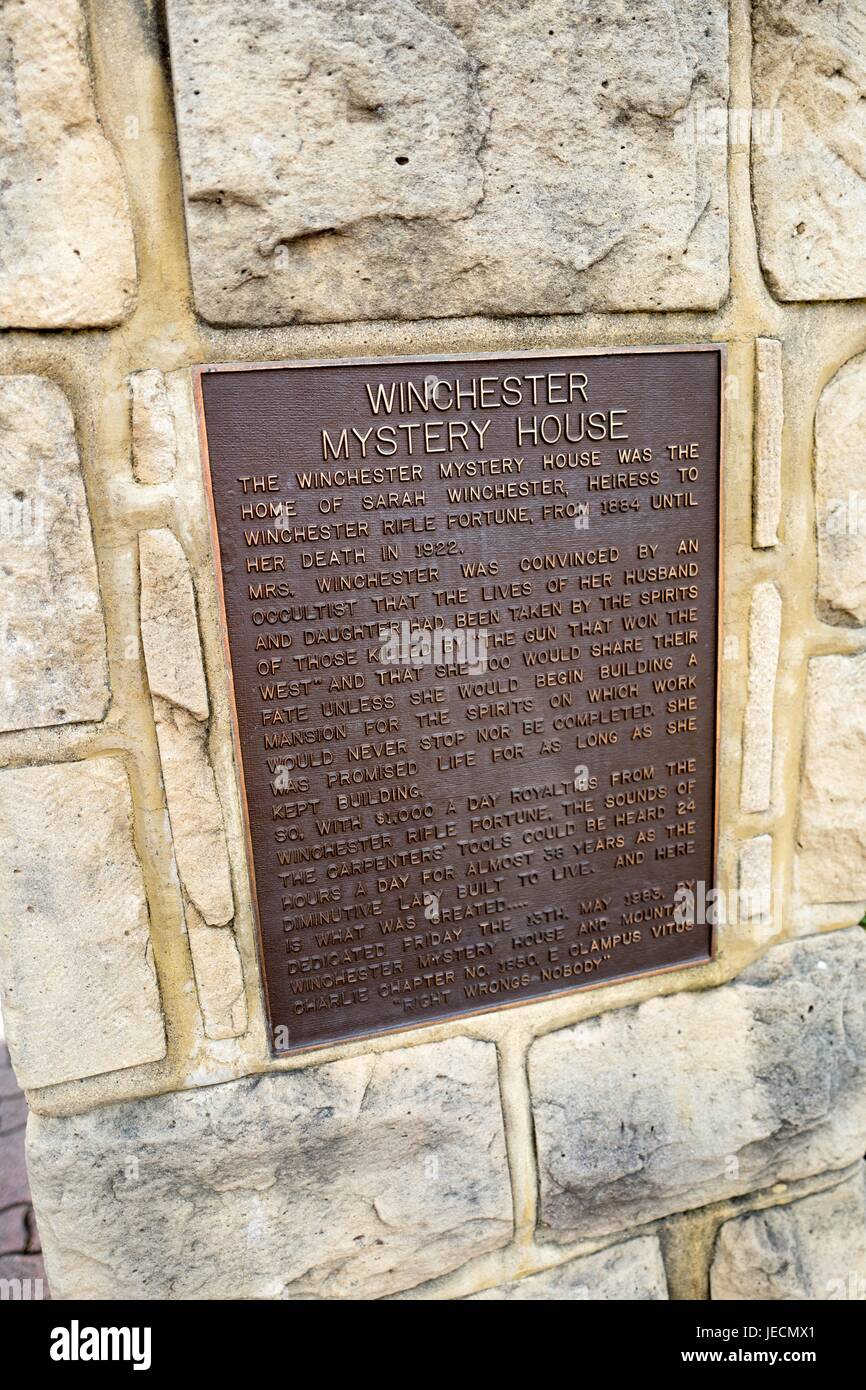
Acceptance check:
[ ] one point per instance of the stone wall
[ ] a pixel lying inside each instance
(213, 182)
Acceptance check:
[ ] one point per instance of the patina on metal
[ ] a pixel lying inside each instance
(471, 624)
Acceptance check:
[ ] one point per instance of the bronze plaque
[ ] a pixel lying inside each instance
(471, 616)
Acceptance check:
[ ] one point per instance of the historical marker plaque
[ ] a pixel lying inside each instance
(471, 613)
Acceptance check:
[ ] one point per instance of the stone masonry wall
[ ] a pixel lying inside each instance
(203, 181)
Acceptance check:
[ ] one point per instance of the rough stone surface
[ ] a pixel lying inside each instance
(831, 831)
(840, 500)
(53, 666)
(175, 672)
(354, 161)
(724, 1091)
(811, 1249)
(633, 1271)
(355, 1179)
(79, 988)
(154, 441)
(809, 87)
(769, 417)
(67, 256)
(765, 626)
(219, 977)
(178, 687)
(755, 881)
(195, 812)
(169, 626)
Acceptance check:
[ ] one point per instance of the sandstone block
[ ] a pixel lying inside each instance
(631, 1272)
(175, 672)
(154, 441)
(831, 831)
(68, 258)
(765, 628)
(809, 146)
(169, 626)
(755, 881)
(80, 995)
(811, 1249)
(345, 161)
(721, 1092)
(350, 1180)
(53, 665)
(219, 977)
(769, 418)
(840, 495)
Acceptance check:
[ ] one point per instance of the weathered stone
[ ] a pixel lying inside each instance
(809, 147)
(354, 1179)
(840, 495)
(169, 626)
(633, 1271)
(831, 831)
(346, 161)
(79, 989)
(755, 881)
(175, 672)
(154, 441)
(195, 813)
(811, 1249)
(722, 1091)
(769, 417)
(765, 626)
(53, 665)
(68, 255)
(219, 977)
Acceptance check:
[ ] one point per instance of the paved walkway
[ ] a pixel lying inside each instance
(19, 1240)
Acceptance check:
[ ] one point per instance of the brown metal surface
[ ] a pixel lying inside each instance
(428, 842)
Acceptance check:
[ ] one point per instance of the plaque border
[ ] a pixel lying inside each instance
(201, 369)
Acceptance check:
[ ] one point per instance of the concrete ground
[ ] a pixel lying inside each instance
(20, 1258)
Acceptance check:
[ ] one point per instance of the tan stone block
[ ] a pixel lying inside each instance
(356, 162)
(808, 146)
(169, 625)
(630, 1272)
(195, 813)
(154, 441)
(68, 258)
(769, 418)
(809, 1250)
(831, 830)
(840, 495)
(53, 665)
(80, 995)
(755, 881)
(352, 1180)
(765, 626)
(725, 1091)
(219, 978)
(175, 672)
